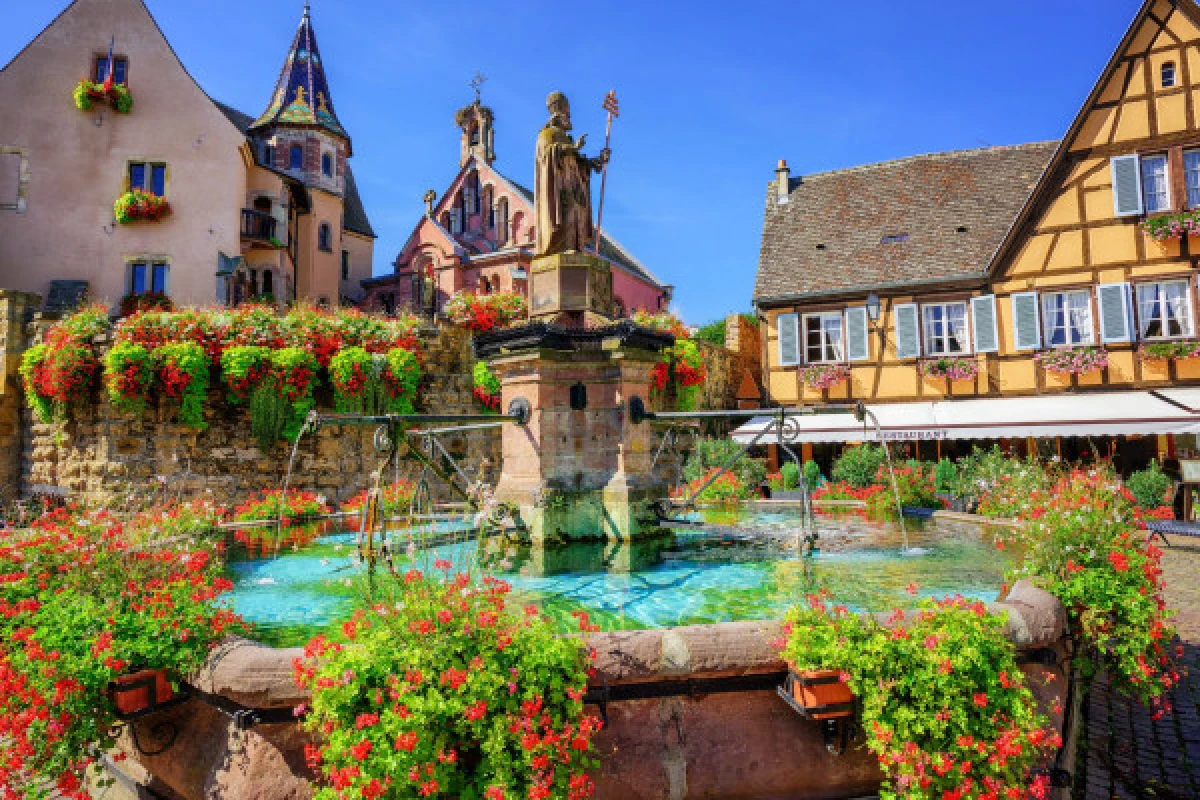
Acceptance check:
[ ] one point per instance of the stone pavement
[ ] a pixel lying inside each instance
(1126, 754)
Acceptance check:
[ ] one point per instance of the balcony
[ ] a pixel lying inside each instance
(259, 226)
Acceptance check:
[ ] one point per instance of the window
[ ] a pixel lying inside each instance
(10, 179)
(945, 326)
(327, 164)
(269, 155)
(148, 177)
(1164, 310)
(345, 265)
(1155, 192)
(894, 238)
(823, 338)
(1168, 74)
(120, 69)
(296, 157)
(268, 282)
(148, 276)
(1191, 176)
(325, 237)
(1067, 318)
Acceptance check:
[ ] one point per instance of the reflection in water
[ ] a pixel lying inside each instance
(737, 565)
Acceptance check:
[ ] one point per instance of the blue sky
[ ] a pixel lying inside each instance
(712, 95)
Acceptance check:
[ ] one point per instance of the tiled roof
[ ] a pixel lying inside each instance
(354, 215)
(301, 95)
(918, 219)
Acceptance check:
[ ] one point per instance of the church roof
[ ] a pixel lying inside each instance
(301, 95)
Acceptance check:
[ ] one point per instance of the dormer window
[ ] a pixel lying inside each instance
(327, 164)
(1168, 75)
(120, 69)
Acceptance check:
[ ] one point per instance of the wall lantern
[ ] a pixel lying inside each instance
(873, 307)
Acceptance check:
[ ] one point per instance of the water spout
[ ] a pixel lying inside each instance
(887, 456)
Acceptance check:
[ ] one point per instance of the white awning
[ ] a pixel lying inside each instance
(1045, 416)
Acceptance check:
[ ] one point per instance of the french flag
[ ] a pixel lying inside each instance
(108, 73)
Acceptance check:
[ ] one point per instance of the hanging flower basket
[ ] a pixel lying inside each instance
(141, 693)
(137, 205)
(1073, 360)
(114, 95)
(1174, 351)
(1167, 227)
(956, 368)
(825, 376)
(818, 694)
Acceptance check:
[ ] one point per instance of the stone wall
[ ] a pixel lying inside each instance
(743, 341)
(15, 310)
(743, 744)
(102, 455)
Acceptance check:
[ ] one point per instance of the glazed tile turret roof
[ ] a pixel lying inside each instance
(301, 94)
(913, 220)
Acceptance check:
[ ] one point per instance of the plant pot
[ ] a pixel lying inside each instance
(818, 694)
(140, 692)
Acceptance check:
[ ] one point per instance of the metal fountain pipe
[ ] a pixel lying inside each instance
(518, 412)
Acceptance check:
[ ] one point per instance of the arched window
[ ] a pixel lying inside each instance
(296, 157)
(327, 164)
(268, 282)
(502, 221)
(471, 194)
(1168, 75)
(325, 237)
(489, 207)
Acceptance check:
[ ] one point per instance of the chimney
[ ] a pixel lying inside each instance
(782, 179)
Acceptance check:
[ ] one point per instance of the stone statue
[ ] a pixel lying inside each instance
(562, 184)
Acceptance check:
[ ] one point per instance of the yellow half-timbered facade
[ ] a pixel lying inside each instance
(1039, 269)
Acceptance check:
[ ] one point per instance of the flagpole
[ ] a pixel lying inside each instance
(610, 105)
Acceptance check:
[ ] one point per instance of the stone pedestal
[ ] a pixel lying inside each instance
(571, 289)
(579, 470)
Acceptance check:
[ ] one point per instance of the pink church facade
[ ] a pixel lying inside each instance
(479, 236)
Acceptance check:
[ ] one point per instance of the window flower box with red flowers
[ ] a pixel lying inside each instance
(114, 95)
(1080, 360)
(145, 301)
(482, 313)
(955, 368)
(825, 376)
(138, 205)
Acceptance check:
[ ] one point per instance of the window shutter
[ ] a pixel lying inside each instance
(908, 331)
(1027, 332)
(983, 323)
(1116, 321)
(1127, 185)
(858, 337)
(789, 339)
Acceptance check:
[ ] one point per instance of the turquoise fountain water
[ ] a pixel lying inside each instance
(737, 565)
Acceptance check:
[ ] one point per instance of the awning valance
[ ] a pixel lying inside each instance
(1044, 416)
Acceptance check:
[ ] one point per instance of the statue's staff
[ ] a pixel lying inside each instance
(610, 105)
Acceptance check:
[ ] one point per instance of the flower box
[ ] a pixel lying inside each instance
(1168, 227)
(1174, 351)
(818, 694)
(1073, 360)
(141, 693)
(114, 95)
(825, 376)
(137, 205)
(955, 368)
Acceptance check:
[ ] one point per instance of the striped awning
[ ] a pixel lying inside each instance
(1043, 416)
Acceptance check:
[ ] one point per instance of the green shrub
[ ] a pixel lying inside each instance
(1000, 485)
(858, 465)
(945, 476)
(711, 453)
(791, 475)
(1150, 486)
(812, 474)
(713, 332)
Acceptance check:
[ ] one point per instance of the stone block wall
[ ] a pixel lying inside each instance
(15, 310)
(103, 456)
(743, 341)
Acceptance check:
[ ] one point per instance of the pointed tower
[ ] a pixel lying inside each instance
(300, 133)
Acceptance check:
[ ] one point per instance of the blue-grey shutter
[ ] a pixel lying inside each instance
(789, 339)
(1027, 329)
(908, 331)
(983, 324)
(1116, 321)
(858, 337)
(1126, 185)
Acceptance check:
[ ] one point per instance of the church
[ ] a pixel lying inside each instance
(480, 236)
(121, 176)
